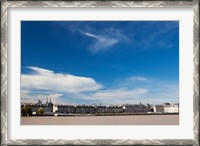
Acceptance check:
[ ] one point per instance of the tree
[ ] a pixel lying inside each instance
(40, 111)
(26, 111)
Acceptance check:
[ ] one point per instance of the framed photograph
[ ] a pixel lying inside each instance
(100, 72)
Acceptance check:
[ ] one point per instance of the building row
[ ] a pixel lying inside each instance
(49, 107)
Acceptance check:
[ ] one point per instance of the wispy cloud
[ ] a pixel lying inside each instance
(155, 90)
(106, 96)
(101, 43)
(30, 96)
(43, 79)
(166, 28)
(38, 70)
(91, 35)
(135, 36)
(121, 93)
(157, 38)
(138, 78)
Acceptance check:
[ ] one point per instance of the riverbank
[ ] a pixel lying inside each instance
(102, 120)
(109, 114)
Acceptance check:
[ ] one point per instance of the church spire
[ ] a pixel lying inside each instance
(47, 100)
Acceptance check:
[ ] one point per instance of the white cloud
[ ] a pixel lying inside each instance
(39, 70)
(25, 94)
(155, 94)
(91, 35)
(66, 88)
(158, 91)
(119, 93)
(138, 78)
(42, 79)
(106, 97)
(28, 96)
(102, 43)
(56, 95)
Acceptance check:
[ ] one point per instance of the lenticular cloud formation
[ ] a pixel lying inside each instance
(43, 79)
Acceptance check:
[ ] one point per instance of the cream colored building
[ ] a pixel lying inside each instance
(171, 109)
(55, 108)
(166, 108)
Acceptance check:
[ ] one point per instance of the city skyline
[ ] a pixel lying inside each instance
(102, 62)
(48, 101)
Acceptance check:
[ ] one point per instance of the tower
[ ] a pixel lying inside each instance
(47, 101)
(39, 102)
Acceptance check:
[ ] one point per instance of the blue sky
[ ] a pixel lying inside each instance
(102, 62)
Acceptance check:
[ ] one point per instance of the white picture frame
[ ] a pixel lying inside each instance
(6, 130)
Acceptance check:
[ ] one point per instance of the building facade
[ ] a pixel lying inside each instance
(50, 108)
(166, 108)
